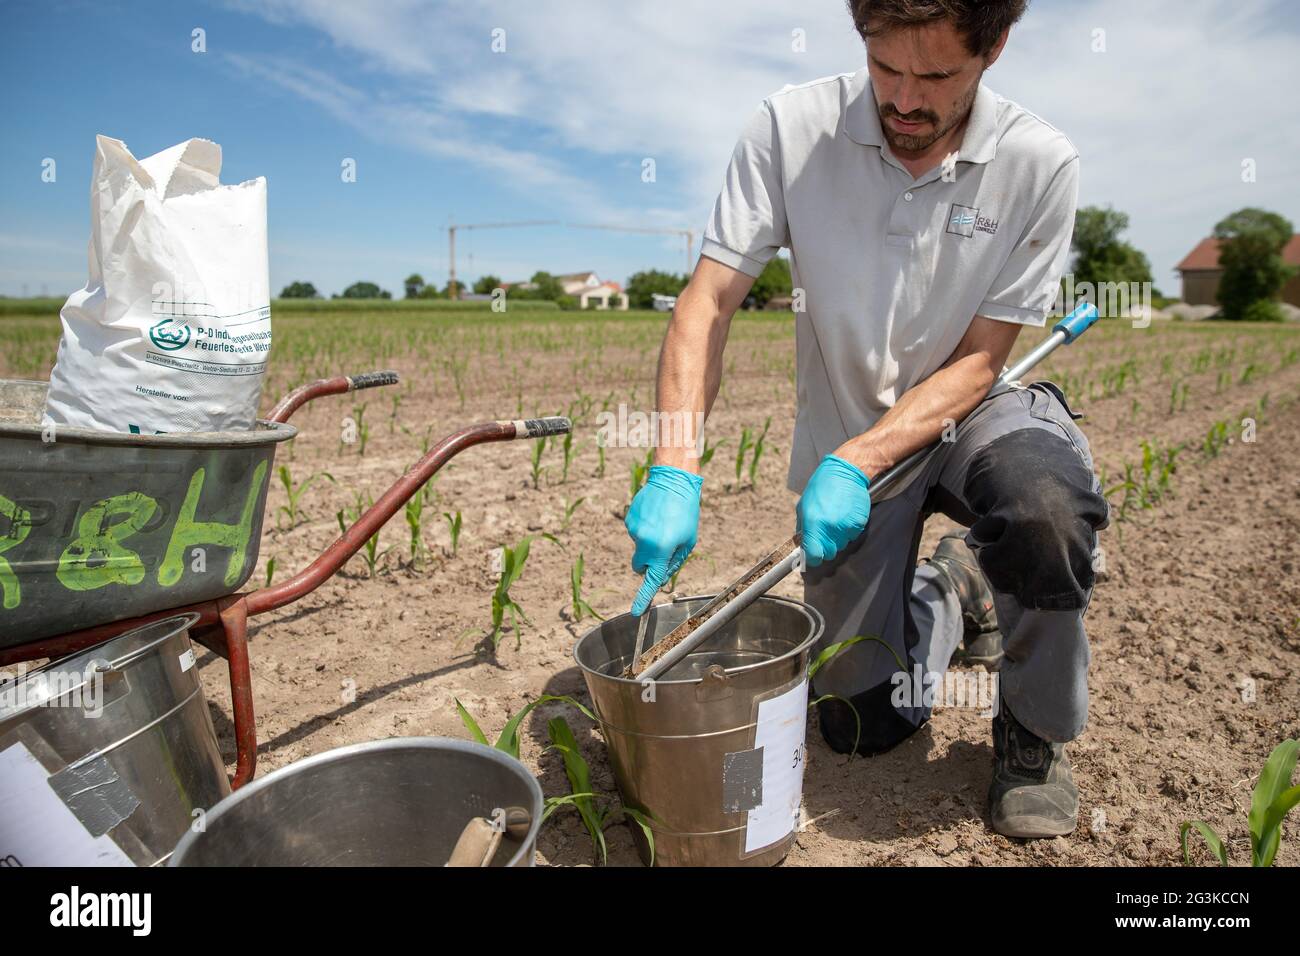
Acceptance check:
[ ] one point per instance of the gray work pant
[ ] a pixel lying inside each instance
(1019, 475)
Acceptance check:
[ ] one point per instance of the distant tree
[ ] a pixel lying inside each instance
(1100, 255)
(774, 280)
(1250, 252)
(643, 286)
(365, 290)
(299, 290)
(460, 288)
(486, 284)
(431, 291)
(414, 285)
(548, 287)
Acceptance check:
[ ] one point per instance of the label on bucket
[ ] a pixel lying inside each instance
(36, 827)
(187, 659)
(782, 724)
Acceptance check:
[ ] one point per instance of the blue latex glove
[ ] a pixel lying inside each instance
(663, 521)
(834, 509)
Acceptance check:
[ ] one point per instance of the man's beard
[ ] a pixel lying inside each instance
(915, 143)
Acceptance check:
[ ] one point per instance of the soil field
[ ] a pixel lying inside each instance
(1195, 623)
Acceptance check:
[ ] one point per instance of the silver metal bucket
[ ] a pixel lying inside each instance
(106, 755)
(101, 526)
(398, 802)
(712, 752)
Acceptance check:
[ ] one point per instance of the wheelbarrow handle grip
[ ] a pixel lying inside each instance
(303, 394)
(373, 379)
(542, 427)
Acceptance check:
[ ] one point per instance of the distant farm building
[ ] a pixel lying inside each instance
(663, 303)
(1201, 273)
(591, 292)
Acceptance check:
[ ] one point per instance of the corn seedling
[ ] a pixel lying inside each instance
(569, 509)
(370, 552)
(508, 740)
(581, 796)
(1273, 799)
(539, 446)
(825, 657)
(1215, 439)
(453, 528)
(392, 415)
(757, 455)
(579, 774)
(363, 430)
(293, 510)
(641, 471)
(270, 571)
(1177, 397)
(512, 566)
(580, 607)
(415, 524)
(709, 451)
(567, 447)
(600, 461)
(746, 440)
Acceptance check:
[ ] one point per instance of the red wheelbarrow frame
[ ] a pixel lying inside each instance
(222, 625)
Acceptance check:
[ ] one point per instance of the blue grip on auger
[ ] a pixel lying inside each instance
(1077, 322)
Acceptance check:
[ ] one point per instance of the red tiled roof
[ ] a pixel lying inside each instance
(1206, 255)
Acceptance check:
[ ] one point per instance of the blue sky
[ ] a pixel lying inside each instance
(558, 124)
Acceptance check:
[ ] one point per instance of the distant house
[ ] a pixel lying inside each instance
(1201, 273)
(591, 292)
(663, 303)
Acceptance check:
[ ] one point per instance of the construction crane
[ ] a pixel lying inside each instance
(453, 289)
(687, 233)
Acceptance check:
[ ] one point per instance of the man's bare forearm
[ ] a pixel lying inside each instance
(690, 373)
(948, 395)
(690, 361)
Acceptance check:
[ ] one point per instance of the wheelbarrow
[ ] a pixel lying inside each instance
(102, 533)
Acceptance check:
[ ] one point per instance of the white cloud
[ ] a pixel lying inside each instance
(1185, 91)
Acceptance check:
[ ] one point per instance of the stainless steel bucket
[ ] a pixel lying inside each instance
(106, 756)
(712, 752)
(101, 526)
(397, 802)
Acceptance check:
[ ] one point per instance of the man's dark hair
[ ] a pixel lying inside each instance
(980, 22)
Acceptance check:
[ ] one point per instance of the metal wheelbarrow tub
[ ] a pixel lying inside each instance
(98, 527)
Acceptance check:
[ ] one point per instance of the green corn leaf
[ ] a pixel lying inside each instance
(857, 719)
(509, 739)
(470, 723)
(1283, 805)
(579, 774)
(1274, 779)
(564, 800)
(641, 820)
(825, 656)
(1211, 839)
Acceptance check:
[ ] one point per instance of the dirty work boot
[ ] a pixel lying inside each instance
(956, 562)
(1033, 792)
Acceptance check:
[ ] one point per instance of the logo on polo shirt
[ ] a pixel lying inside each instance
(966, 220)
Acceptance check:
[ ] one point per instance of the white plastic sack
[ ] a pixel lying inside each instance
(173, 328)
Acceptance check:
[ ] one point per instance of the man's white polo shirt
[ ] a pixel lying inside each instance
(892, 269)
